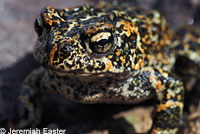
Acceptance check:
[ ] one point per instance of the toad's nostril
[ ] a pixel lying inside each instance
(66, 49)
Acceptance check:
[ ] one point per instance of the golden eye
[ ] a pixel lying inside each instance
(101, 42)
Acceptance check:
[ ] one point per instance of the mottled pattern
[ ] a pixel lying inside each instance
(134, 40)
(110, 54)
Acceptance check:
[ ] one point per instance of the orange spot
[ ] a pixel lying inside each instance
(155, 44)
(128, 63)
(157, 130)
(57, 21)
(158, 84)
(133, 66)
(140, 16)
(137, 66)
(160, 70)
(128, 27)
(165, 106)
(165, 74)
(52, 53)
(49, 22)
(110, 66)
(146, 36)
(144, 55)
(179, 97)
(198, 52)
(117, 53)
(163, 27)
(99, 26)
(109, 57)
(141, 62)
(162, 43)
(142, 50)
(187, 46)
(58, 32)
(168, 96)
(166, 38)
(149, 41)
(150, 77)
(159, 48)
(64, 29)
(168, 104)
(122, 59)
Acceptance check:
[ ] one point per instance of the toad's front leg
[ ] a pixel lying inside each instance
(29, 106)
(169, 93)
(169, 103)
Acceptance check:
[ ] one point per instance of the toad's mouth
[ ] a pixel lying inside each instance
(81, 73)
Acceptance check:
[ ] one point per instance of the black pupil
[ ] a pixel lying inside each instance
(102, 42)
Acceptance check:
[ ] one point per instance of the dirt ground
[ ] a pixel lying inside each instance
(17, 37)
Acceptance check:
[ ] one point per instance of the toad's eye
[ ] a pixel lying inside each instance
(38, 26)
(101, 42)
